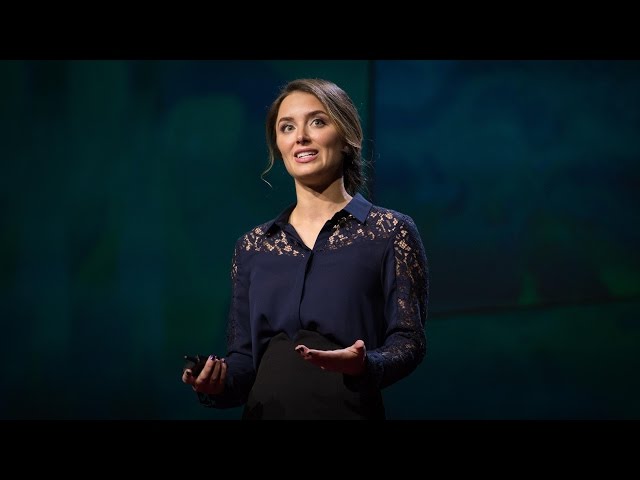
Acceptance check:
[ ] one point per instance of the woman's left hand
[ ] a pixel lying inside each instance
(350, 360)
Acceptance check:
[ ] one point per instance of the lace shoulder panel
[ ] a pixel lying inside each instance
(256, 240)
(380, 225)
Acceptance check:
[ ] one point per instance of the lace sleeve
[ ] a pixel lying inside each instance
(406, 287)
(239, 359)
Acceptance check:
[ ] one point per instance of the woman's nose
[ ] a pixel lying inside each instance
(302, 137)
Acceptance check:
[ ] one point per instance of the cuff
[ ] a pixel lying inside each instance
(372, 376)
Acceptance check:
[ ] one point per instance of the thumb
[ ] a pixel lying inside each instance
(359, 345)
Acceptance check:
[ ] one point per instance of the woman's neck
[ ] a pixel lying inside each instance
(319, 205)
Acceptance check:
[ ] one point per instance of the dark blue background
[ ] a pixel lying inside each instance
(117, 177)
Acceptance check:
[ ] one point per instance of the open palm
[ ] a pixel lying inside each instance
(348, 360)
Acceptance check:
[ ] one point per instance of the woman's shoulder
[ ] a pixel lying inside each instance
(254, 234)
(399, 226)
(389, 219)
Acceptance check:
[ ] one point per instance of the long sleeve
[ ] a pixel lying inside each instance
(239, 359)
(405, 280)
(366, 278)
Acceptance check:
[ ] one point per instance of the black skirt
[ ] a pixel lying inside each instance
(290, 388)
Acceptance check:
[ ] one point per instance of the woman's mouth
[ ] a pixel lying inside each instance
(306, 156)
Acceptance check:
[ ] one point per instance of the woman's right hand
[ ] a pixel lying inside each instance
(211, 378)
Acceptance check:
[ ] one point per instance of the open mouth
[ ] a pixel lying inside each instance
(306, 156)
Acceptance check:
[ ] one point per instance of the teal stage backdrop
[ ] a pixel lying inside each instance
(125, 185)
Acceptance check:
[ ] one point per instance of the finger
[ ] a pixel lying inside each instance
(313, 355)
(206, 371)
(332, 360)
(215, 374)
(221, 378)
(205, 374)
(303, 351)
(223, 375)
(323, 354)
(358, 348)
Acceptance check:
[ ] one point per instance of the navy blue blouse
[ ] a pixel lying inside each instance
(365, 278)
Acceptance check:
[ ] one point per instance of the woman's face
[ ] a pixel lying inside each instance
(308, 140)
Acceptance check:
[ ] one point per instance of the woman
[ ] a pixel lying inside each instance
(329, 298)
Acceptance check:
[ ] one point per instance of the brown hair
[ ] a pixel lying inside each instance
(342, 112)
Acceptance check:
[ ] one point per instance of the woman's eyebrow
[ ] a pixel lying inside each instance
(310, 114)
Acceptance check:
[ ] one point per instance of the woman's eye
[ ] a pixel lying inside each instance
(286, 128)
(317, 122)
